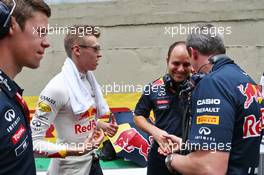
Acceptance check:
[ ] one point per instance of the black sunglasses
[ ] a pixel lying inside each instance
(96, 48)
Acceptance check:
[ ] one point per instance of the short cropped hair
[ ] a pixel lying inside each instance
(206, 40)
(173, 45)
(75, 35)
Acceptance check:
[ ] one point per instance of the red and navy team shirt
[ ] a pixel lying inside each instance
(166, 104)
(16, 150)
(227, 115)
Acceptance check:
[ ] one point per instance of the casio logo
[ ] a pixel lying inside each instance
(10, 115)
(204, 131)
(208, 102)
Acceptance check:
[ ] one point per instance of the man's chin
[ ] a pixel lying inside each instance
(179, 79)
(32, 66)
(92, 69)
(95, 67)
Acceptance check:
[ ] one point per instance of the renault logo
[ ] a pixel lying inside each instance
(204, 131)
(10, 115)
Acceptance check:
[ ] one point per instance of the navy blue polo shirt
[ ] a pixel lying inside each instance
(16, 150)
(226, 116)
(166, 105)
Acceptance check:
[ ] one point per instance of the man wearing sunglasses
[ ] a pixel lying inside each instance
(73, 101)
(19, 47)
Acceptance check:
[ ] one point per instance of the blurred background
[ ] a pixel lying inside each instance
(136, 34)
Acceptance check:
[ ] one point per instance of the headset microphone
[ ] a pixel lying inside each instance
(215, 58)
(5, 16)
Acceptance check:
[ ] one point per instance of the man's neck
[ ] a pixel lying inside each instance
(77, 64)
(7, 63)
(9, 71)
(205, 66)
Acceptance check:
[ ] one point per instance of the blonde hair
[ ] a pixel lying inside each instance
(76, 33)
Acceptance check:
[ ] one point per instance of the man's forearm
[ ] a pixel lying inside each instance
(201, 162)
(185, 165)
(144, 125)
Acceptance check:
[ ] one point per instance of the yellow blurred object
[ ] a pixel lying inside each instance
(121, 129)
(113, 100)
(44, 107)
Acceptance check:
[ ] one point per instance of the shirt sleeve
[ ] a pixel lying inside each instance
(213, 117)
(144, 105)
(49, 103)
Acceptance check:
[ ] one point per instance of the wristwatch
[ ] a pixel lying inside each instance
(168, 162)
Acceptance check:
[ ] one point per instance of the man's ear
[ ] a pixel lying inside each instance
(167, 60)
(194, 53)
(13, 26)
(76, 50)
(192, 70)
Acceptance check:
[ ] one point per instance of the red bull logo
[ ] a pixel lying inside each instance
(252, 126)
(130, 139)
(79, 129)
(251, 92)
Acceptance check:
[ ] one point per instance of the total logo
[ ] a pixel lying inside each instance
(10, 115)
(204, 131)
(18, 134)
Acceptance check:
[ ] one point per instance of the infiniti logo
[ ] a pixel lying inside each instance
(10, 115)
(204, 131)
(36, 123)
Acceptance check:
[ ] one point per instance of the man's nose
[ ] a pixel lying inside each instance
(99, 55)
(45, 43)
(180, 68)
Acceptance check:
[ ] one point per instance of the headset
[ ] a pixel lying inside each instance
(215, 58)
(5, 16)
(180, 88)
(169, 82)
(195, 78)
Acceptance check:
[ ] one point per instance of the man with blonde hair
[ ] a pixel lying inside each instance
(73, 101)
